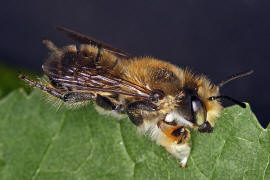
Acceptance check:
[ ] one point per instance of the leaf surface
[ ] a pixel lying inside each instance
(9, 80)
(39, 142)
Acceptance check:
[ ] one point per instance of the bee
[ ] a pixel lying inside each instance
(161, 99)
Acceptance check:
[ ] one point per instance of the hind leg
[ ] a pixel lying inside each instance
(50, 90)
(69, 97)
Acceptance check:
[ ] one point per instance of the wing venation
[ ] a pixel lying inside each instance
(71, 72)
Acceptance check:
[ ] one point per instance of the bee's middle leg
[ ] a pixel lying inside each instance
(134, 111)
(106, 104)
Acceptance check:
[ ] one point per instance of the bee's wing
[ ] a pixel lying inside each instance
(84, 39)
(70, 72)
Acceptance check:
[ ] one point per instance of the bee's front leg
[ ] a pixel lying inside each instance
(134, 111)
(175, 140)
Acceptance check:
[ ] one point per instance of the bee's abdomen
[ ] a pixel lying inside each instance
(62, 68)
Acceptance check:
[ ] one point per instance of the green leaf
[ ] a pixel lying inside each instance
(9, 80)
(39, 142)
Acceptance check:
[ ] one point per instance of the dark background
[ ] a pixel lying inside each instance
(217, 38)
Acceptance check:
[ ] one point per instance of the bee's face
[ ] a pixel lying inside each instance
(190, 110)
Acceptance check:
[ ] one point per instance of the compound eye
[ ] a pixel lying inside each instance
(199, 111)
(196, 105)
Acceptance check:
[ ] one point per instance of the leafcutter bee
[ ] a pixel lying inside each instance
(161, 99)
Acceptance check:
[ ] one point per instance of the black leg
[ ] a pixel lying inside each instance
(73, 97)
(70, 97)
(133, 111)
(135, 118)
(142, 105)
(49, 90)
(105, 103)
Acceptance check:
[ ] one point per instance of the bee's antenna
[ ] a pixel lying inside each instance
(243, 105)
(235, 76)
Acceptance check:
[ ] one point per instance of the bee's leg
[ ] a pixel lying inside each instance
(49, 90)
(74, 97)
(135, 118)
(175, 140)
(106, 104)
(133, 111)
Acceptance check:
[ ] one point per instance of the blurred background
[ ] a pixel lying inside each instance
(216, 38)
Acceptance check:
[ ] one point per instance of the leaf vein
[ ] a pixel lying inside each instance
(48, 147)
(243, 139)
(198, 168)
(125, 148)
(267, 164)
(214, 169)
(90, 155)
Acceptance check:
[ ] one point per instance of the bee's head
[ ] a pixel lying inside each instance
(196, 105)
(193, 109)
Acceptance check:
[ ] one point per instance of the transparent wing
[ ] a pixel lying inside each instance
(72, 72)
